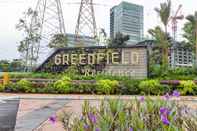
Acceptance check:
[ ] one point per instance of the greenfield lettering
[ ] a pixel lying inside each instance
(87, 59)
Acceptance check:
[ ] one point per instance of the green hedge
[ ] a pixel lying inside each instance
(19, 75)
(102, 85)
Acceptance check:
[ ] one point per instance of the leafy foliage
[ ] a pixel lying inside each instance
(2, 88)
(151, 87)
(187, 87)
(25, 86)
(4, 65)
(11, 66)
(63, 85)
(107, 86)
(119, 40)
(162, 44)
(164, 13)
(84, 88)
(28, 48)
(179, 73)
(137, 115)
(103, 84)
(58, 41)
(21, 75)
(129, 87)
(190, 30)
(72, 71)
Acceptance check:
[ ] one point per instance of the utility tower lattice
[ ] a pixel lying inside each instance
(50, 18)
(86, 23)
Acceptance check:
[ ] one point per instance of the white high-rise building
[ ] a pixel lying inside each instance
(128, 19)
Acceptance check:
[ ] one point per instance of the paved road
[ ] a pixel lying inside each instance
(33, 119)
(8, 112)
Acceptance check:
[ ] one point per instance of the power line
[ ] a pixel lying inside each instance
(13, 2)
(95, 4)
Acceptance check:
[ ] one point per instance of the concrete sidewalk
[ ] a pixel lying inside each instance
(28, 120)
(81, 97)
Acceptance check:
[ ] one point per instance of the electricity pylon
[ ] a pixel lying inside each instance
(50, 17)
(86, 23)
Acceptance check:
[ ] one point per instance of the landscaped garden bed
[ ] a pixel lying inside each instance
(143, 113)
(101, 84)
(71, 82)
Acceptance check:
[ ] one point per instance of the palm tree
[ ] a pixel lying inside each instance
(164, 13)
(162, 43)
(190, 30)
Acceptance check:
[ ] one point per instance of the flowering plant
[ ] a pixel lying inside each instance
(140, 114)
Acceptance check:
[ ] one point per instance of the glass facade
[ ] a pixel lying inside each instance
(128, 19)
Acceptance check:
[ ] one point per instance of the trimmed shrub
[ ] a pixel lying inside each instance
(63, 85)
(151, 87)
(11, 87)
(84, 88)
(2, 88)
(106, 86)
(21, 75)
(49, 89)
(187, 87)
(25, 86)
(129, 87)
(66, 78)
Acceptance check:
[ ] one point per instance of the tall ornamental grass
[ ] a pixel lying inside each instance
(142, 114)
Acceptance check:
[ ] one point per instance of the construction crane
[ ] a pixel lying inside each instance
(174, 19)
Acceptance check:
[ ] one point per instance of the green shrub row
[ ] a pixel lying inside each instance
(156, 72)
(20, 75)
(179, 73)
(104, 86)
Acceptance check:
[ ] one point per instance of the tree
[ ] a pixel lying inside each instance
(162, 36)
(101, 39)
(16, 65)
(119, 40)
(29, 47)
(58, 41)
(162, 43)
(190, 32)
(4, 65)
(164, 13)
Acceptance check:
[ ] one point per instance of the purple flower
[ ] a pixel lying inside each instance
(165, 120)
(167, 96)
(130, 129)
(164, 111)
(176, 93)
(97, 129)
(52, 119)
(92, 118)
(82, 118)
(85, 126)
(142, 99)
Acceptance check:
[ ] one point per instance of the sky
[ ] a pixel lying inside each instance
(12, 10)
